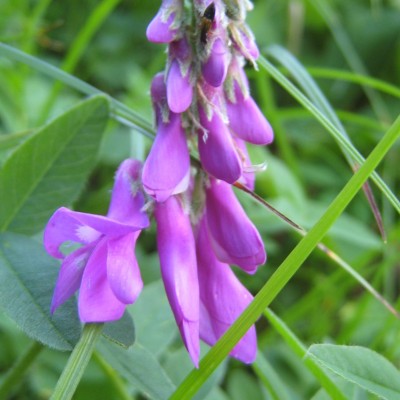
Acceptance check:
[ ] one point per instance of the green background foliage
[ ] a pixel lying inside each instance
(329, 84)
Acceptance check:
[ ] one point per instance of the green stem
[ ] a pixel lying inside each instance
(77, 363)
(268, 106)
(14, 375)
(113, 377)
(298, 347)
(329, 125)
(287, 269)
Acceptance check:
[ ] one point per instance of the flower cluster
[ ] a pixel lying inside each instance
(201, 103)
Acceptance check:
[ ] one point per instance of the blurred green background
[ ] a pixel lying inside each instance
(306, 170)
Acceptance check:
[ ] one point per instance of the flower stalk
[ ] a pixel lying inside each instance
(77, 363)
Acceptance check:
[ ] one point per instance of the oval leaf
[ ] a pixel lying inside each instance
(139, 367)
(121, 332)
(361, 366)
(27, 277)
(50, 168)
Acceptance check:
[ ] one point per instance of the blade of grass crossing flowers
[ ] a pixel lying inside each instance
(317, 97)
(331, 254)
(308, 105)
(92, 25)
(120, 110)
(300, 350)
(286, 270)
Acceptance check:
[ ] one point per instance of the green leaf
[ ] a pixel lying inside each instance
(8, 143)
(27, 277)
(361, 366)
(139, 367)
(121, 332)
(154, 322)
(270, 378)
(51, 167)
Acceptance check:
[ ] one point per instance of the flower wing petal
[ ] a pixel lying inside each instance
(123, 272)
(70, 275)
(127, 200)
(97, 302)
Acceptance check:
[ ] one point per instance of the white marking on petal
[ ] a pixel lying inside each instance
(87, 234)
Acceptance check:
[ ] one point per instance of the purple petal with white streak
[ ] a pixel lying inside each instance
(66, 225)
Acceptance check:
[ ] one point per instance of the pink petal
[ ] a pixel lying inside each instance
(177, 253)
(223, 299)
(66, 225)
(97, 302)
(234, 238)
(248, 175)
(123, 272)
(215, 68)
(167, 168)
(127, 200)
(217, 151)
(249, 47)
(159, 31)
(246, 120)
(70, 275)
(179, 89)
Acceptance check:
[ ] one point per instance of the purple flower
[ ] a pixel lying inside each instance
(222, 299)
(104, 269)
(217, 150)
(248, 175)
(233, 236)
(244, 42)
(167, 167)
(163, 27)
(214, 70)
(179, 87)
(246, 121)
(176, 248)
